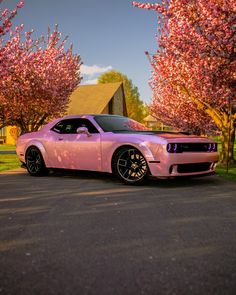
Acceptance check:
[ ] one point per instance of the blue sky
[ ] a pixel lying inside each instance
(108, 34)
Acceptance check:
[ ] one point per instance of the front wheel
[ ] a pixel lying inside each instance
(130, 166)
(34, 162)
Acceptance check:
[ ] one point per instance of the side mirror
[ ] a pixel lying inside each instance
(83, 130)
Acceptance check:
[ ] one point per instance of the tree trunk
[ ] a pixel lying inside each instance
(33, 125)
(227, 140)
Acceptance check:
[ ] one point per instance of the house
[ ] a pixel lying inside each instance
(106, 98)
(151, 122)
(8, 135)
(154, 124)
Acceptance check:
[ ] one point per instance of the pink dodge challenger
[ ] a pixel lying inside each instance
(115, 144)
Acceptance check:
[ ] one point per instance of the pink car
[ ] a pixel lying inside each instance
(115, 144)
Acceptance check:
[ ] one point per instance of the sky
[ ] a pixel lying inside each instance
(107, 34)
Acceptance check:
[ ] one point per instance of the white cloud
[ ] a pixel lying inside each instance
(91, 81)
(94, 70)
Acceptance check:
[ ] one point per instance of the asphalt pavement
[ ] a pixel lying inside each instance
(86, 233)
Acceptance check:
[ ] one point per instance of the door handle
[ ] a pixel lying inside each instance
(60, 138)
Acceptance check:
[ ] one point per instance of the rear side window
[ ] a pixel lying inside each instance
(70, 126)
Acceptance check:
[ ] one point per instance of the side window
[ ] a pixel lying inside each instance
(86, 123)
(58, 127)
(69, 126)
(65, 127)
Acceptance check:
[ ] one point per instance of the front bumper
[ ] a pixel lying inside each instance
(184, 164)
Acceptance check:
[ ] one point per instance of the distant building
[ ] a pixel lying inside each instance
(8, 135)
(152, 123)
(106, 98)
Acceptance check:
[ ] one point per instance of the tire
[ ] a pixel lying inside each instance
(130, 166)
(34, 162)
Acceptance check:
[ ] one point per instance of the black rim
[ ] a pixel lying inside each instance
(34, 161)
(131, 165)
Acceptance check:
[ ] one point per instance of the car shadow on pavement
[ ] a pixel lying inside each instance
(186, 181)
(150, 182)
(81, 174)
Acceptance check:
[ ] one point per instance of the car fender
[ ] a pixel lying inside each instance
(40, 146)
(110, 149)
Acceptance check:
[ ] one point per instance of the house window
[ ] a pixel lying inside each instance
(3, 131)
(2, 135)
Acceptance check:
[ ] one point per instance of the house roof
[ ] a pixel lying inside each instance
(92, 99)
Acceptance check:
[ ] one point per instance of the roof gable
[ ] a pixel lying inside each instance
(92, 99)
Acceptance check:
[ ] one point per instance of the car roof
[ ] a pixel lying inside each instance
(90, 115)
(55, 121)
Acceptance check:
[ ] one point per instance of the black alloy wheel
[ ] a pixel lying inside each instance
(34, 162)
(130, 166)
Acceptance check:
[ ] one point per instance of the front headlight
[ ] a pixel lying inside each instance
(173, 148)
(212, 147)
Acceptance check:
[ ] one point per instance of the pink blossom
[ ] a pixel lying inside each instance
(20, 4)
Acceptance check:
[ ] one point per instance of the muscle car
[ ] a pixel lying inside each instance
(115, 144)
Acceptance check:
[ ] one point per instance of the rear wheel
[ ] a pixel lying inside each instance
(35, 163)
(130, 166)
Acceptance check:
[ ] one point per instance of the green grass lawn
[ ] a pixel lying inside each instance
(7, 147)
(221, 170)
(8, 162)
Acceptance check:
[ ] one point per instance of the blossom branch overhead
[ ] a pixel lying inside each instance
(6, 17)
(156, 7)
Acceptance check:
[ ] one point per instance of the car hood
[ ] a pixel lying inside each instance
(162, 136)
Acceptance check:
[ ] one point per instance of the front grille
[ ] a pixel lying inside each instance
(194, 167)
(197, 147)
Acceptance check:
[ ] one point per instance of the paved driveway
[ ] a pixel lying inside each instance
(86, 233)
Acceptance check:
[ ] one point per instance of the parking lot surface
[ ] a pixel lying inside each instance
(86, 233)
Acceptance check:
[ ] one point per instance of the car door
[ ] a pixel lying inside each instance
(71, 150)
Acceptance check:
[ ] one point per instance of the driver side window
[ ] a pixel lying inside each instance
(70, 126)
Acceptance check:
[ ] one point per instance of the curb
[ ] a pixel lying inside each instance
(7, 152)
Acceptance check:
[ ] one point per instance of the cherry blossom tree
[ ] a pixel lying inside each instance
(178, 111)
(6, 17)
(194, 68)
(38, 81)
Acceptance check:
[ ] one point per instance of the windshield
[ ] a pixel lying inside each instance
(119, 123)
